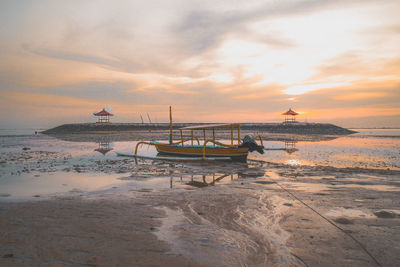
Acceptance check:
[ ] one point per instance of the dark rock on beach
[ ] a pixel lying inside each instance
(343, 220)
(385, 214)
(10, 255)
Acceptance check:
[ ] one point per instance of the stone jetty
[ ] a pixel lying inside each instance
(290, 128)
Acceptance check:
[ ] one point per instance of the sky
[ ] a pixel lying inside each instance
(211, 60)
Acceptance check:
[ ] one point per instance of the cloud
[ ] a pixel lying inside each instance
(343, 113)
(72, 56)
(47, 100)
(348, 63)
(305, 88)
(205, 28)
(352, 97)
(211, 60)
(362, 95)
(102, 91)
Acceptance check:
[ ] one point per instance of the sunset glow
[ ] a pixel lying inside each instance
(246, 61)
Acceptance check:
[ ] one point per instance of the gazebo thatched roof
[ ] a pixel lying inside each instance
(103, 113)
(290, 112)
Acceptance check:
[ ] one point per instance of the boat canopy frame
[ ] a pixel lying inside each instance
(212, 127)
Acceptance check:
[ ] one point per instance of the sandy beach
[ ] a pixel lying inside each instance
(200, 133)
(111, 211)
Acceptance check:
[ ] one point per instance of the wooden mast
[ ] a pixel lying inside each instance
(171, 140)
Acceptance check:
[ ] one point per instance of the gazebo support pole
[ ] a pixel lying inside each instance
(171, 139)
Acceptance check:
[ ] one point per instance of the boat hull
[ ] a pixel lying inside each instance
(234, 153)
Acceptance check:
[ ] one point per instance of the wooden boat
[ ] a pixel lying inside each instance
(208, 147)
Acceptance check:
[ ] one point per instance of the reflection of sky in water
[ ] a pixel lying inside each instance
(361, 151)
(349, 151)
(377, 132)
(294, 162)
(323, 187)
(338, 212)
(37, 184)
(57, 173)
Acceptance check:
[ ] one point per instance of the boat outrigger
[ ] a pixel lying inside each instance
(207, 148)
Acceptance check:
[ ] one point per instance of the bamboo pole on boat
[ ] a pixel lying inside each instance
(213, 136)
(171, 140)
(231, 135)
(181, 137)
(239, 135)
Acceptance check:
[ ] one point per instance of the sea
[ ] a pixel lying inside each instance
(33, 165)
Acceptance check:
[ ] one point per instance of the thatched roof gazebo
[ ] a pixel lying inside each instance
(104, 116)
(290, 116)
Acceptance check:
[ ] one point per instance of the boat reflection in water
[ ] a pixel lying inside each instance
(203, 180)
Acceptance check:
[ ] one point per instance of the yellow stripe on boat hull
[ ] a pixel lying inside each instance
(197, 151)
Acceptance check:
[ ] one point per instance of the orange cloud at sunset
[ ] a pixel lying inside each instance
(349, 113)
(241, 61)
(366, 95)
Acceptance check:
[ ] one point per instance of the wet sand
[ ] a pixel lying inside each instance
(220, 214)
(251, 221)
(74, 232)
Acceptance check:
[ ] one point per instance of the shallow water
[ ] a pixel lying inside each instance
(32, 166)
(228, 213)
(370, 149)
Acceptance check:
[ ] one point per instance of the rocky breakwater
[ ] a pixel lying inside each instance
(298, 128)
(290, 128)
(73, 128)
